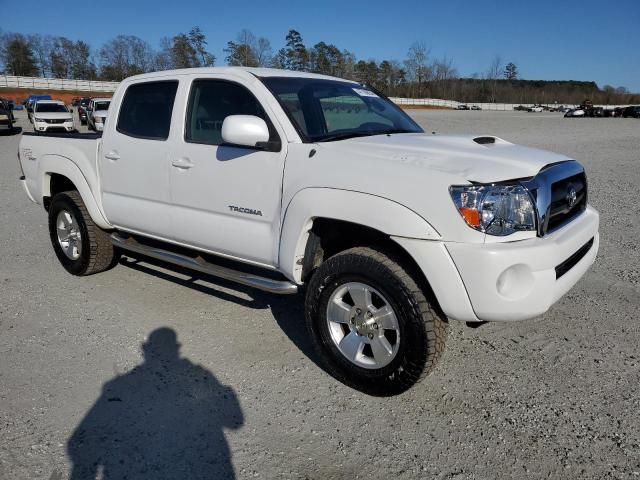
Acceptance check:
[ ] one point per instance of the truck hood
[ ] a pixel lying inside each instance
(416, 171)
(470, 158)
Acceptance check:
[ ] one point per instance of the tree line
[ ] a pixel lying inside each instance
(418, 75)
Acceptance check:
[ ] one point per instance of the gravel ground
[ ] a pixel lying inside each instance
(555, 397)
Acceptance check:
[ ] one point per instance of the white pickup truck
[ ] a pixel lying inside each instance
(279, 180)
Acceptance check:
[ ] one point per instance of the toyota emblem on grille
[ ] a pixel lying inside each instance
(572, 196)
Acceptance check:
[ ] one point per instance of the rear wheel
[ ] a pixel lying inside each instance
(371, 323)
(82, 247)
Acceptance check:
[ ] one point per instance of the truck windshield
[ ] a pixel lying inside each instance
(50, 108)
(101, 106)
(327, 110)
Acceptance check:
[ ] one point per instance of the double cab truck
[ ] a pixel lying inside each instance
(289, 181)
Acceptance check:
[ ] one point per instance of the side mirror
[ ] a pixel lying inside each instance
(246, 131)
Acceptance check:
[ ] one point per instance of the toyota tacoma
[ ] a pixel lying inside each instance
(289, 181)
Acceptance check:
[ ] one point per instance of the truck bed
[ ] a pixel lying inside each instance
(38, 152)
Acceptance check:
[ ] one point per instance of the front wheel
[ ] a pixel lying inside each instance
(372, 324)
(82, 247)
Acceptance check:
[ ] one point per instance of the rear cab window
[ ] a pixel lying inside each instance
(146, 110)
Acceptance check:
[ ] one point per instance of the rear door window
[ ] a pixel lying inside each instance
(146, 110)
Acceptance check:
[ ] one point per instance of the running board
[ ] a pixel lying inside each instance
(281, 287)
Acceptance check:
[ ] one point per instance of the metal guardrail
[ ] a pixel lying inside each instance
(435, 102)
(39, 83)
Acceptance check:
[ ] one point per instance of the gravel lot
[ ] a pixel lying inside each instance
(556, 397)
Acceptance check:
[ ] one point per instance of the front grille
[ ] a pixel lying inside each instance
(560, 194)
(55, 121)
(568, 200)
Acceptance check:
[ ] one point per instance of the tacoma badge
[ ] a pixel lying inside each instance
(250, 211)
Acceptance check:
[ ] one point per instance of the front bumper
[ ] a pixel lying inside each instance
(520, 280)
(507, 281)
(44, 127)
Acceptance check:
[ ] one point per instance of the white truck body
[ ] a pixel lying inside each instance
(404, 195)
(259, 206)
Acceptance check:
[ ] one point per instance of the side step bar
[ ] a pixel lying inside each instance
(281, 287)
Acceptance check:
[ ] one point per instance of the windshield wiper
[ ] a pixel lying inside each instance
(347, 135)
(344, 136)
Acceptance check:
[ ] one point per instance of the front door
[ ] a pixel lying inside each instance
(225, 199)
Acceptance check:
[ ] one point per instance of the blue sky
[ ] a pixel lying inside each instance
(551, 40)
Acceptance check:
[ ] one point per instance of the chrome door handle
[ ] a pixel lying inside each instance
(112, 155)
(183, 163)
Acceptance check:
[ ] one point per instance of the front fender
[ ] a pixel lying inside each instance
(379, 213)
(56, 164)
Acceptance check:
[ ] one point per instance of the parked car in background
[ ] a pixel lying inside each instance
(6, 115)
(82, 110)
(618, 111)
(632, 111)
(564, 109)
(476, 107)
(462, 106)
(535, 108)
(30, 102)
(520, 108)
(575, 112)
(52, 115)
(75, 101)
(253, 176)
(97, 113)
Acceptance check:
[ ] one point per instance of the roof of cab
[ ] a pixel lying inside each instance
(247, 72)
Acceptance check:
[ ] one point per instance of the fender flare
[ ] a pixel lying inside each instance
(56, 164)
(379, 213)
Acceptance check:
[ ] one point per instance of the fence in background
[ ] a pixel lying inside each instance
(10, 81)
(436, 102)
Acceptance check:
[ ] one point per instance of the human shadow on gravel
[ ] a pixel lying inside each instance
(287, 310)
(9, 133)
(163, 419)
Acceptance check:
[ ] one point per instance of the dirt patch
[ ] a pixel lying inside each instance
(20, 94)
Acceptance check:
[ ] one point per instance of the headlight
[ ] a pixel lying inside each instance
(495, 209)
(36, 119)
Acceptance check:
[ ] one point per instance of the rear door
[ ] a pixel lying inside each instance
(134, 159)
(226, 199)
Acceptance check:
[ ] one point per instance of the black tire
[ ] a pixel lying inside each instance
(97, 253)
(422, 327)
